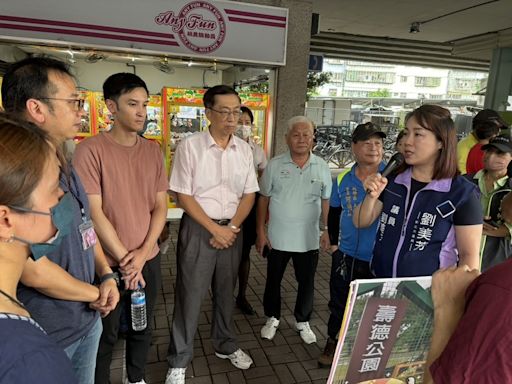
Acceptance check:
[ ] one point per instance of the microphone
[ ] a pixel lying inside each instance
(396, 160)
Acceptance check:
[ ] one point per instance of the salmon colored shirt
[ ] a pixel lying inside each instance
(128, 180)
(217, 178)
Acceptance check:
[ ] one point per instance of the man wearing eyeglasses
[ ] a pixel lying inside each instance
(58, 290)
(214, 181)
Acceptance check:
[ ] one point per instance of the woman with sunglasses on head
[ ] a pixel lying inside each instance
(32, 213)
(429, 216)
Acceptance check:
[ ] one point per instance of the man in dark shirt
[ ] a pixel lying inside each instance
(58, 290)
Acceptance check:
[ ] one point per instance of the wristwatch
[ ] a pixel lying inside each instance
(108, 276)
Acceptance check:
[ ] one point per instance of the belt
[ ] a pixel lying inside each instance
(222, 222)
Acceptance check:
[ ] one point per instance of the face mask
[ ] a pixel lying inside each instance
(244, 131)
(62, 216)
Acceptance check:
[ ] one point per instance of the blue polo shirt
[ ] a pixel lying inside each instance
(295, 201)
(348, 193)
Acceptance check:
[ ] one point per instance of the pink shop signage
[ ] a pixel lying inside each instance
(199, 25)
(220, 29)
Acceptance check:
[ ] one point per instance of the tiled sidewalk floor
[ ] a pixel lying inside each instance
(285, 359)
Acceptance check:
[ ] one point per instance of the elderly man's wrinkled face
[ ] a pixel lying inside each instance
(370, 151)
(495, 160)
(300, 138)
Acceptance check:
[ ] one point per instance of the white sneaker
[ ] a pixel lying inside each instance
(126, 381)
(239, 359)
(175, 376)
(305, 332)
(269, 329)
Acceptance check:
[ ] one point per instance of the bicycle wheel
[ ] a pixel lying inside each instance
(341, 158)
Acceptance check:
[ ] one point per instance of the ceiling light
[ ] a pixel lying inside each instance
(163, 65)
(71, 58)
(94, 57)
(415, 27)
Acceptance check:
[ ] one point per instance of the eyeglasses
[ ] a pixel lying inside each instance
(224, 114)
(78, 104)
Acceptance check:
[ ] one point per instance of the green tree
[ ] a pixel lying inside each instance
(380, 93)
(259, 87)
(316, 80)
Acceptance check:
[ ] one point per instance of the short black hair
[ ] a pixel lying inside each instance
(121, 83)
(28, 79)
(209, 96)
(485, 129)
(244, 109)
(399, 136)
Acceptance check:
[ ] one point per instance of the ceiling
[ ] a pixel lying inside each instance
(92, 56)
(455, 34)
(447, 30)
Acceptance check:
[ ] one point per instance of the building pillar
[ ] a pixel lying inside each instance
(499, 83)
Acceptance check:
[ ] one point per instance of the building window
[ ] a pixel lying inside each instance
(335, 61)
(403, 95)
(466, 84)
(427, 81)
(333, 92)
(403, 79)
(337, 76)
(355, 93)
(370, 77)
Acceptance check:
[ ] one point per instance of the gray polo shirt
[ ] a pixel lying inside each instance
(295, 201)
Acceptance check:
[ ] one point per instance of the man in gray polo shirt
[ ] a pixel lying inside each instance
(295, 190)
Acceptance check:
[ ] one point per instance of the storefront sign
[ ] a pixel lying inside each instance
(225, 30)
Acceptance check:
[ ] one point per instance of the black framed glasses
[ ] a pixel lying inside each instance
(225, 113)
(78, 104)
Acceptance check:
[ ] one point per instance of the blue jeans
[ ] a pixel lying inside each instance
(82, 354)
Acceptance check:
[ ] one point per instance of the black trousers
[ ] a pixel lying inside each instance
(304, 264)
(344, 269)
(137, 343)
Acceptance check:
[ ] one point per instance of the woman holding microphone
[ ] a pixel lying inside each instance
(429, 216)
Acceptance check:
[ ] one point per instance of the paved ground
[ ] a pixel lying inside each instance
(285, 359)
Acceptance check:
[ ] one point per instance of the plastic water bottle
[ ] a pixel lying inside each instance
(138, 309)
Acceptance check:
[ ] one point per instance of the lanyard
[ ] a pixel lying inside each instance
(73, 189)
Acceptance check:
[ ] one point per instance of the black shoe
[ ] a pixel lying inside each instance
(244, 306)
(325, 359)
